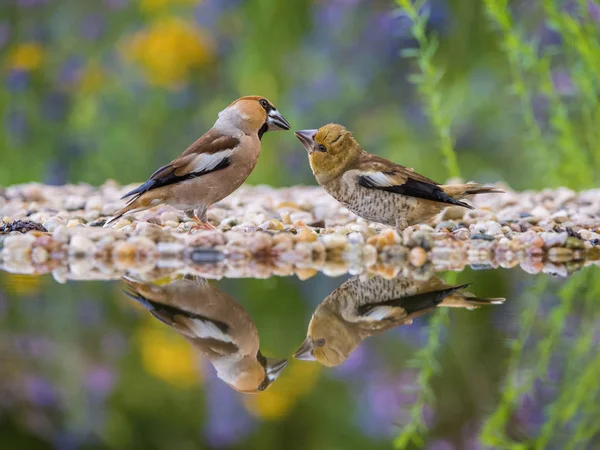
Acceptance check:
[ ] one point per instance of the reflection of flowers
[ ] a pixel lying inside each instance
(169, 50)
(277, 401)
(167, 356)
(26, 56)
(21, 285)
(158, 5)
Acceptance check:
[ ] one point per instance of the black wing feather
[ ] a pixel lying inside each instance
(167, 313)
(414, 303)
(415, 188)
(170, 178)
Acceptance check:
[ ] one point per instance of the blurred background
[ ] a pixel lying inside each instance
(493, 90)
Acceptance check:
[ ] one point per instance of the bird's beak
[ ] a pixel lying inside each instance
(306, 350)
(276, 121)
(307, 138)
(275, 367)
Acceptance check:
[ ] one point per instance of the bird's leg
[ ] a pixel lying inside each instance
(401, 225)
(199, 216)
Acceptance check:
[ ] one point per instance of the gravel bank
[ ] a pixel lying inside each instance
(300, 230)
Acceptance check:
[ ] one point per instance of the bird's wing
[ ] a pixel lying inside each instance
(208, 154)
(412, 304)
(379, 173)
(188, 323)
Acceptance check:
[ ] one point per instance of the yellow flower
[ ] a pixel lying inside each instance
(153, 6)
(277, 401)
(169, 51)
(92, 78)
(26, 56)
(21, 285)
(167, 356)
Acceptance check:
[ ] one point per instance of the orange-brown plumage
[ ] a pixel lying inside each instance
(216, 325)
(212, 167)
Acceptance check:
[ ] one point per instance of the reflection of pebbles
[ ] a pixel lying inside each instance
(359, 309)
(216, 325)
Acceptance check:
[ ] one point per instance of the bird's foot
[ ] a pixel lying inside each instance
(205, 226)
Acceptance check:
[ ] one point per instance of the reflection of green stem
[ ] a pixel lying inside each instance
(425, 362)
(580, 387)
(428, 79)
(492, 433)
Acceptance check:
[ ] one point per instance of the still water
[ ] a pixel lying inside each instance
(478, 359)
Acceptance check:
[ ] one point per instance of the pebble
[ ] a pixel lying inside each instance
(417, 256)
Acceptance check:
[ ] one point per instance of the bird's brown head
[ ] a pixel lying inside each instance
(257, 374)
(331, 150)
(330, 339)
(252, 114)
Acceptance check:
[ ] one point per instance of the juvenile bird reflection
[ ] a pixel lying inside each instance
(359, 309)
(216, 325)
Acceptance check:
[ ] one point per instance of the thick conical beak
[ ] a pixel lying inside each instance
(276, 121)
(275, 367)
(306, 351)
(307, 137)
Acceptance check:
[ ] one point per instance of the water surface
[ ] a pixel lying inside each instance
(410, 361)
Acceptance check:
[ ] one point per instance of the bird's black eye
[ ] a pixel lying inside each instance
(263, 385)
(322, 148)
(320, 342)
(264, 103)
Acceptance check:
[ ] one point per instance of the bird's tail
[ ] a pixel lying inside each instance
(460, 191)
(134, 205)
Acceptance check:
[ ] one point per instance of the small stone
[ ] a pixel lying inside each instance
(417, 256)
(335, 241)
(81, 246)
(552, 239)
(305, 274)
(169, 216)
(39, 255)
(306, 235)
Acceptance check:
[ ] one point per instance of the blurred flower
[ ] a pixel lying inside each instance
(17, 80)
(93, 26)
(92, 78)
(21, 285)
(40, 392)
(16, 123)
(116, 4)
(54, 106)
(152, 6)
(277, 401)
(4, 33)
(70, 72)
(594, 10)
(99, 382)
(26, 56)
(169, 50)
(228, 422)
(167, 356)
(30, 3)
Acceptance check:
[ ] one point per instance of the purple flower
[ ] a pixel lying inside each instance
(99, 382)
(30, 3)
(563, 84)
(70, 72)
(16, 123)
(594, 10)
(93, 26)
(116, 4)
(228, 422)
(40, 392)
(440, 444)
(17, 80)
(4, 33)
(54, 106)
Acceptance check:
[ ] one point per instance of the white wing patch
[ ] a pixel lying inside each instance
(380, 313)
(380, 179)
(205, 162)
(205, 330)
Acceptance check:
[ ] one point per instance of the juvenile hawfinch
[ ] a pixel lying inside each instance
(359, 309)
(216, 325)
(374, 188)
(212, 167)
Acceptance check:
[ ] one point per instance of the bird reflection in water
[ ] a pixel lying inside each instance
(216, 325)
(359, 309)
